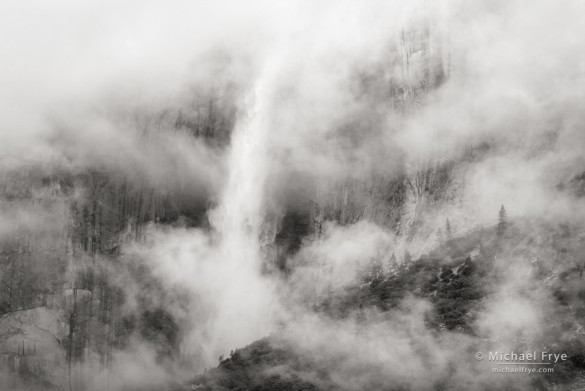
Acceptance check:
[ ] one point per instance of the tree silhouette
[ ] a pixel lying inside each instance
(449, 234)
(502, 222)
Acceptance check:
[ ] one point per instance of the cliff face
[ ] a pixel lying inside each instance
(65, 284)
(346, 202)
(64, 296)
(385, 187)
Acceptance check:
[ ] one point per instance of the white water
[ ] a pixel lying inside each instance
(238, 220)
(239, 215)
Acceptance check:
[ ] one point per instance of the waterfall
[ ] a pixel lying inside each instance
(239, 215)
(238, 220)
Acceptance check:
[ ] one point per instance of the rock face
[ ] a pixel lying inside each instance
(64, 279)
(79, 302)
(63, 298)
(32, 342)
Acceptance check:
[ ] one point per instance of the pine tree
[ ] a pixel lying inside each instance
(448, 232)
(502, 222)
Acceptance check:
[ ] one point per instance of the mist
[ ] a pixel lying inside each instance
(237, 171)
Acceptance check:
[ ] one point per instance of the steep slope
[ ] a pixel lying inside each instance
(460, 280)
